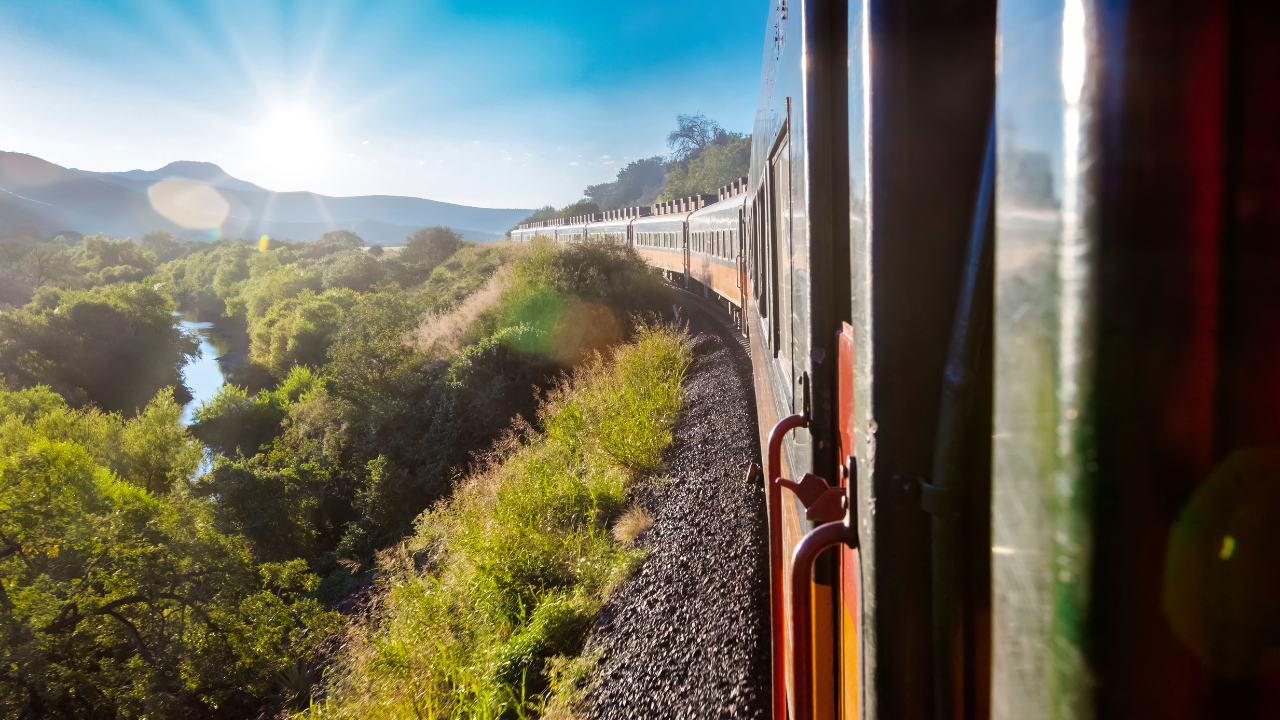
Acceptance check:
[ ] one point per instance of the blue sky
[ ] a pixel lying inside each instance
(499, 104)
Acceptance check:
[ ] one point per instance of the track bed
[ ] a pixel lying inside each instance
(688, 635)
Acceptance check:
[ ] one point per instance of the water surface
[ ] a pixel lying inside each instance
(203, 375)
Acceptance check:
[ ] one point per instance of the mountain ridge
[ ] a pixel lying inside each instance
(47, 197)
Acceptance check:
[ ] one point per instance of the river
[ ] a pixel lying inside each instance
(203, 375)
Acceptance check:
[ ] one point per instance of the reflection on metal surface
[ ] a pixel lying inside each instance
(862, 516)
(1044, 356)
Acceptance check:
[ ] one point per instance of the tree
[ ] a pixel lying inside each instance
(299, 330)
(46, 264)
(116, 602)
(710, 170)
(431, 246)
(99, 252)
(352, 269)
(375, 250)
(114, 346)
(160, 242)
(694, 133)
(332, 242)
(639, 183)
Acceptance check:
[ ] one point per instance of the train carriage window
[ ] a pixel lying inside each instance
(780, 250)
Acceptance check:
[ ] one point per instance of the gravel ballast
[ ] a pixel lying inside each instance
(688, 635)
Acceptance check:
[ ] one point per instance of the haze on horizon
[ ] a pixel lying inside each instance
(501, 104)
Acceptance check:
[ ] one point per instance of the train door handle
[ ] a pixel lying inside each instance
(812, 545)
(773, 490)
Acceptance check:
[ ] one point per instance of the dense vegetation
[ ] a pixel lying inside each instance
(491, 600)
(705, 157)
(151, 569)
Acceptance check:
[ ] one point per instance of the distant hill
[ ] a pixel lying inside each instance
(45, 197)
(201, 172)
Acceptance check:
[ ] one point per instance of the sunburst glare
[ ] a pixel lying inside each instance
(292, 139)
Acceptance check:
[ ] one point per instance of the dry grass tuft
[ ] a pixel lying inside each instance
(444, 334)
(631, 524)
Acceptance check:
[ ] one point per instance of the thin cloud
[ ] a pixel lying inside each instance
(573, 163)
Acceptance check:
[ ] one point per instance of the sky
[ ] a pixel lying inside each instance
(495, 103)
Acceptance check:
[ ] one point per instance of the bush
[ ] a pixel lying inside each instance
(352, 269)
(233, 422)
(520, 561)
(431, 246)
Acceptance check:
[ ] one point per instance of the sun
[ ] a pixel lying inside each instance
(292, 135)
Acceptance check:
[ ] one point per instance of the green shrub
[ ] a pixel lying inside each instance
(519, 562)
(120, 602)
(114, 345)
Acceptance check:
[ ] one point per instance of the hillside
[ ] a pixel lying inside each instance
(202, 197)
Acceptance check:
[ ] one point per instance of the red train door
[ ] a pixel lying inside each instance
(849, 615)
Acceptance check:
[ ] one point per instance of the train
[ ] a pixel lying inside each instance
(1010, 272)
(696, 241)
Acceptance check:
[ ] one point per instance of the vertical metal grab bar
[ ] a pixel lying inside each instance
(822, 537)
(776, 609)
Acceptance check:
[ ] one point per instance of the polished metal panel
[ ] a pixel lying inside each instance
(1044, 354)
(864, 425)
(778, 164)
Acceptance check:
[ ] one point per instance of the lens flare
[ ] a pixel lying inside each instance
(191, 205)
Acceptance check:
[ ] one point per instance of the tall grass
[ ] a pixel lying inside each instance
(488, 605)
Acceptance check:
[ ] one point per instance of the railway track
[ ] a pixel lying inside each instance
(688, 635)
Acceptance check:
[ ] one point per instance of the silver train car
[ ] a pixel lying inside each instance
(716, 262)
(697, 242)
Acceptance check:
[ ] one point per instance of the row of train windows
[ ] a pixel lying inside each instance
(719, 243)
(609, 237)
(656, 239)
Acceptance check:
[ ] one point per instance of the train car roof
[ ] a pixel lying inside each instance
(619, 223)
(660, 222)
(732, 205)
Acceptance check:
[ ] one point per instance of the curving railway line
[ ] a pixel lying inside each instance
(1010, 274)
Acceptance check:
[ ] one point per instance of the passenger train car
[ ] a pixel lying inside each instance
(1010, 270)
(697, 242)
